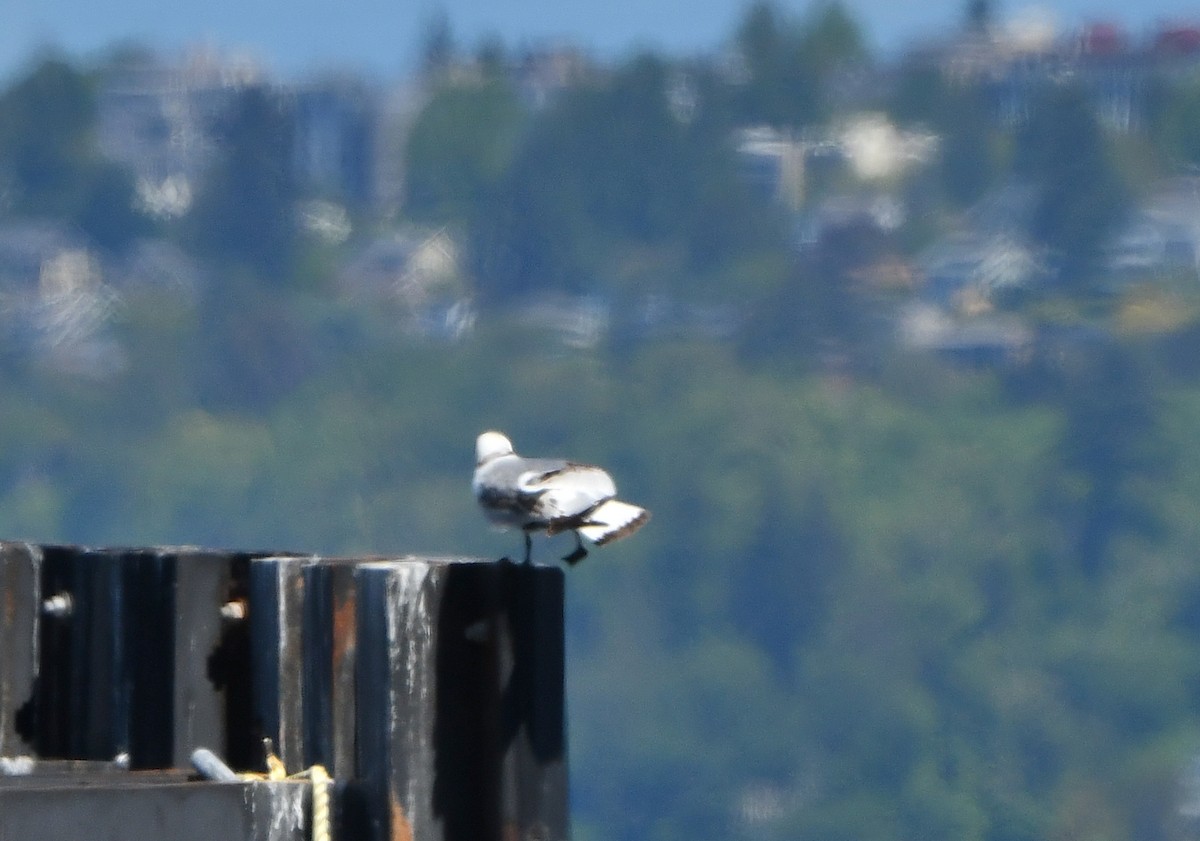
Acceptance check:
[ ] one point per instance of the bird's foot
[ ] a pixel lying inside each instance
(576, 556)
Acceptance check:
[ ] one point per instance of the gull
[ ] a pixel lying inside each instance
(550, 495)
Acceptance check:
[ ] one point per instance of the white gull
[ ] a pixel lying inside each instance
(550, 495)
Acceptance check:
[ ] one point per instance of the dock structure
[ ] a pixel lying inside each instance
(431, 690)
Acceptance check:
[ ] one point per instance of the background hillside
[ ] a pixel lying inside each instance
(918, 428)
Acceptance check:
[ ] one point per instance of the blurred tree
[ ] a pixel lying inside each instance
(979, 16)
(244, 214)
(831, 39)
(1174, 121)
(780, 88)
(609, 165)
(243, 227)
(1111, 446)
(825, 311)
(491, 57)
(45, 123)
(917, 96)
(1081, 199)
(969, 161)
(438, 48)
(460, 148)
(107, 212)
(49, 164)
(252, 349)
(786, 64)
(785, 602)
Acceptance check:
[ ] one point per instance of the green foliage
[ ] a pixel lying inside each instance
(44, 136)
(969, 161)
(608, 167)
(460, 148)
(919, 604)
(854, 614)
(106, 212)
(787, 63)
(1081, 200)
(244, 212)
(49, 165)
(437, 45)
(1175, 121)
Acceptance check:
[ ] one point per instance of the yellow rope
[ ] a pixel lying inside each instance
(322, 820)
(322, 823)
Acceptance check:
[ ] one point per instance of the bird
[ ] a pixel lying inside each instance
(551, 495)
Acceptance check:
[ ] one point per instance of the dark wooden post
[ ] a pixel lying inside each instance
(302, 633)
(431, 688)
(276, 612)
(330, 661)
(108, 653)
(206, 586)
(20, 601)
(80, 691)
(461, 725)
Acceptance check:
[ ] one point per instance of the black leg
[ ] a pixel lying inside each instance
(578, 554)
(528, 549)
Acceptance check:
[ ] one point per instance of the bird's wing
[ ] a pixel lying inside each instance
(565, 491)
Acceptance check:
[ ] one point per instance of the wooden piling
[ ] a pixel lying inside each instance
(461, 719)
(431, 688)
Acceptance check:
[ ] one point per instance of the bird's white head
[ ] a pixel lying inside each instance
(491, 445)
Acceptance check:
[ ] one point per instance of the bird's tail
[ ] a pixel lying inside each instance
(612, 520)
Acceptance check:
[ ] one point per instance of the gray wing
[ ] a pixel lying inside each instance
(561, 490)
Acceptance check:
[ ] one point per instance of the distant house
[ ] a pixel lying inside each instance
(417, 276)
(25, 247)
(1163, 234)
(1015, 62)
(866, 145)
(159, 119)
(989, 339)
(577, 321)
(966, 271)
(774, 163)
(53, 299)
(877, 150)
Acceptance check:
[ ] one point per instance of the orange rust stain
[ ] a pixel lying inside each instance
(401, 828)
(343, 629)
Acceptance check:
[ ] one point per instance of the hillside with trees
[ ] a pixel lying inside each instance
(889, 591)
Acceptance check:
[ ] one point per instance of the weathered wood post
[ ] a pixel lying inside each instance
(302, 641)
(432, 689)
(106, 657)
(461, 724)
(20, 600)
(113, 651)
(276, 609)
(330, 664)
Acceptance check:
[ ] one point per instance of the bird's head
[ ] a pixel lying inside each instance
(491, 445)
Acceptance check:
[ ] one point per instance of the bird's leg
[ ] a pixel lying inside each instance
(579, 552)
(528, 548)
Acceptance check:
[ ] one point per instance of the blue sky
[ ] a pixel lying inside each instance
(296, 37)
